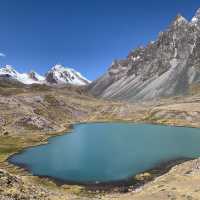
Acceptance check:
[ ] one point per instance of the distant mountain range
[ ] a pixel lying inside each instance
(57, 75)
(167, 67)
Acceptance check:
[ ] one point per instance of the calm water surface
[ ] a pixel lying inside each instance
(107, 152)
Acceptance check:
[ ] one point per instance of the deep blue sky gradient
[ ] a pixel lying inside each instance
(84, 34)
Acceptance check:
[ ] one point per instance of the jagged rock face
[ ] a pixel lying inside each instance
(36, 77)
(163, 68)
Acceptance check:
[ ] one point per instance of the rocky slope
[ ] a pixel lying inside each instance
(30, 114)
(45, 108)
(57, 75)
(180, 183)
(167, 67)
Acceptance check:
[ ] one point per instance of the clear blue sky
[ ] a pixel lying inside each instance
(84, 34)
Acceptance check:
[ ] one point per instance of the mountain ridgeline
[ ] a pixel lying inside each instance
(57, 75)
(167, 67)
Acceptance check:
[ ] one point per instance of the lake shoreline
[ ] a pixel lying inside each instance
(130, 184)
(126, 185)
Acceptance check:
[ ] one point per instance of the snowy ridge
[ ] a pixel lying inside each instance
(57, 75)
(63, 75)
(196, 19)
(25, 78)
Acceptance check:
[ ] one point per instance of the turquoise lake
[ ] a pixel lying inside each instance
(106, 152)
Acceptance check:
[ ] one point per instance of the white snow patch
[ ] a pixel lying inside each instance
(135, 58)
(194, 20)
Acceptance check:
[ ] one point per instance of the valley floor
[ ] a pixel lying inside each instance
(29, 116)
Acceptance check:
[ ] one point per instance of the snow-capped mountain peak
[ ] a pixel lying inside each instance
(196, 19)
(26, 78)
(180, 19)
(58, 67)
(60, 74)
(9, 70)
(57, 75)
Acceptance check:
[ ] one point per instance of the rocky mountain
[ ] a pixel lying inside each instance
(167, 67)
(25, 78)
(57, 75)
(62, 75)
